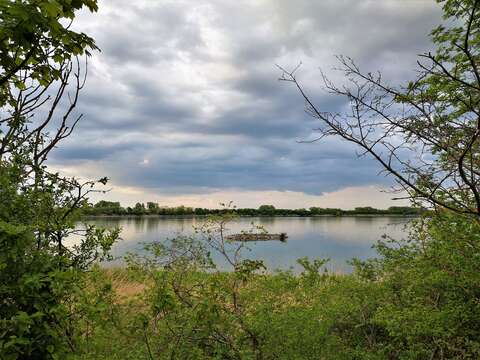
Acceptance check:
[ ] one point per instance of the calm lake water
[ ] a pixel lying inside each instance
(338, 238)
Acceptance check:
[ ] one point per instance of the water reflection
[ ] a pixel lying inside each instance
(338, 238)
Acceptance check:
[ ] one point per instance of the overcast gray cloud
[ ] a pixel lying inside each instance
(184, 96)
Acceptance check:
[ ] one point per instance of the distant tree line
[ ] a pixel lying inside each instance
(151, 208)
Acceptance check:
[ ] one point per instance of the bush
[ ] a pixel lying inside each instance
(418, 300)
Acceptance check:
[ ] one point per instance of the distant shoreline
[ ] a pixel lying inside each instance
(248, 216)
(109, 208)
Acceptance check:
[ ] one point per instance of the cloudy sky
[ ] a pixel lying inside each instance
(183, 104)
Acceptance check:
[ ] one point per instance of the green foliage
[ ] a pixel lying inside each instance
(114, 208)
(36, 36)
(431, 289)
(39, 274)
(417, 300)
(449, 86)
(266, 209)
(43, 256)
(27, 288)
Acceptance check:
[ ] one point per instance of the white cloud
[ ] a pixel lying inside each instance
(184, 96)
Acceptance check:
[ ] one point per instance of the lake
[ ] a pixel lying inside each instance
(337, 238)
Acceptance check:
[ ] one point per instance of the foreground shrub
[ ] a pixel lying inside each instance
(431, 286)
(418, 300)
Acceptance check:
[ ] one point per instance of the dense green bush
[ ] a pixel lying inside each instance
(39, 276)
(431, 289)
(40, 271)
